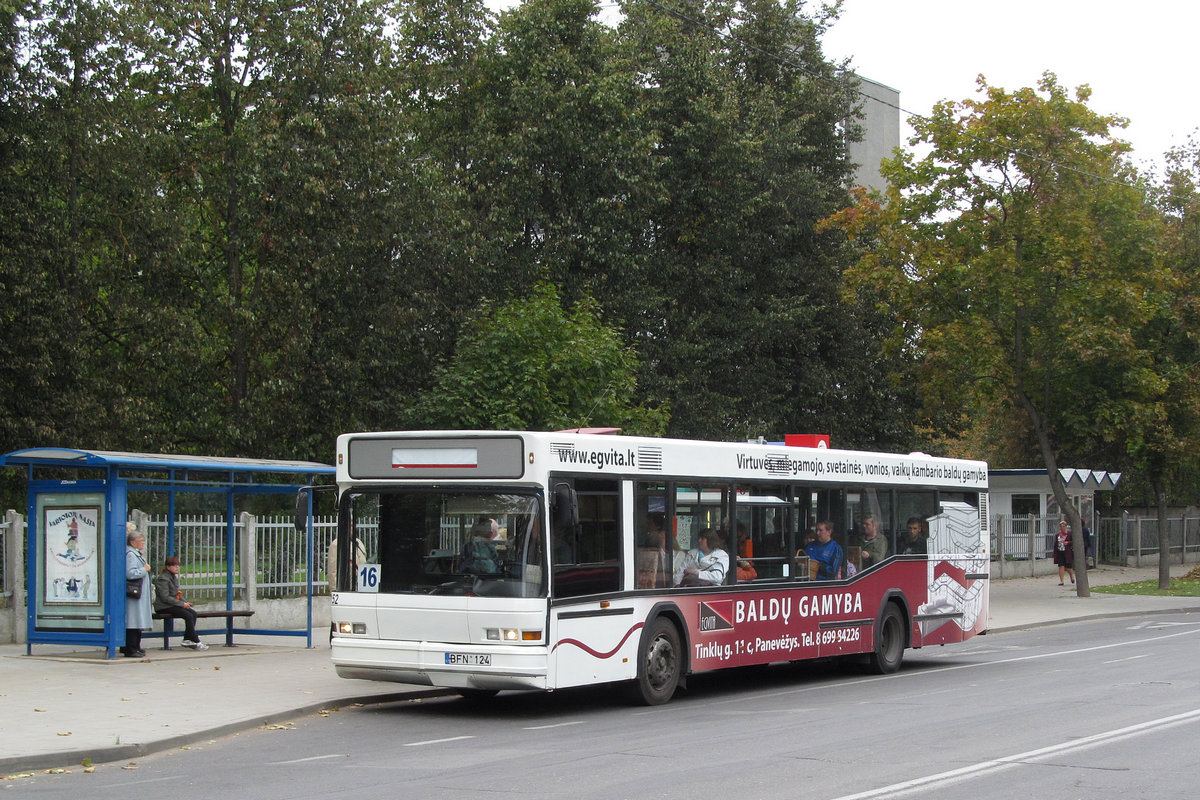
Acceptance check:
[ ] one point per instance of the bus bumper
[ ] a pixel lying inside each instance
(454, 666)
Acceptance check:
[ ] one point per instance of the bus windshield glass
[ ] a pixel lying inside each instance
(450, 542)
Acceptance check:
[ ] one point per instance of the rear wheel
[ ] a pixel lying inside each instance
(889, 642)
(660, 663)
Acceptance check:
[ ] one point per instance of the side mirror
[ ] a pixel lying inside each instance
(302, 504)
(564, 506)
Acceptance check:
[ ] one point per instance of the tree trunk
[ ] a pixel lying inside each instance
(1078, 549)
(1164, 531)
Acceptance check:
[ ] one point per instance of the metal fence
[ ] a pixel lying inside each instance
(1021, 538)
(282, 560)
(212, 559)
(1023, 545)
(204, 553)
(1133, 541)
(211, 563)
(6, 591)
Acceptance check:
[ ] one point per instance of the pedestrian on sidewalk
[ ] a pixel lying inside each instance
(169, 600)
(137, 609)
(1064, 555)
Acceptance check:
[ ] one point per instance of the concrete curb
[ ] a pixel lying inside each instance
(126, 752)
(1092, 617)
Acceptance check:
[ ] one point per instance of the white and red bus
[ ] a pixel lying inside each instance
(516, 560)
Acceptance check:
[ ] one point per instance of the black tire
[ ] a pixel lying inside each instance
(477, 695)
(889, 642)
(660, 663)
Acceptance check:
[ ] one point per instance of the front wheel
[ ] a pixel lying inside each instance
(889, 642)
(660, 663)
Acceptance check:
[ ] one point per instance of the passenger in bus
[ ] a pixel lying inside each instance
(916, 538)
(656, 530)
(712, 563)
(874, 546)
(360, 557)
(564, 546)
(826, 553)
(680, 560)
(651, 556)
(480, 555)
(745, 551)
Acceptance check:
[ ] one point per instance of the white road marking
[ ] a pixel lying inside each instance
(438, 741)
(1131, 658)
(994, 765)
(555, 725)
(936, 669)
(310, 758)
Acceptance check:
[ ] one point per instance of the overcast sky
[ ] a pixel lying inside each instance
(1139, 58)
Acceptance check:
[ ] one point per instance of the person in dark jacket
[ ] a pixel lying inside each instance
(1064, 554)
(169, 600)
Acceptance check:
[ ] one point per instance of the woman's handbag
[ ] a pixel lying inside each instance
(133, 588)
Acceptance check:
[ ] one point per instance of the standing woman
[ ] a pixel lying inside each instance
(1064, 555)
(138, 616)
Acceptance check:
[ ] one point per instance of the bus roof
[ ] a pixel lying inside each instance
(529, 455)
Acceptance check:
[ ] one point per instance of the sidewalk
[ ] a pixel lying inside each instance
(61, 707)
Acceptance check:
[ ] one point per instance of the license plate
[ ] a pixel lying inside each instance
(469, 659)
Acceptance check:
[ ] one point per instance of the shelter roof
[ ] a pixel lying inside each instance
(1093, 479)
(71, 457)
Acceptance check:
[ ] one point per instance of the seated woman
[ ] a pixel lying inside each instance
(712, 563)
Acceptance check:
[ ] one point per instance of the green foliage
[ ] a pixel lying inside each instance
(1021, 257)
(1178, 587)
(530, 365)
(740, 320)
(1035, 275)
(242, 228)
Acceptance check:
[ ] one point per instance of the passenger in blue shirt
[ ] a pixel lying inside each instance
(827, 553)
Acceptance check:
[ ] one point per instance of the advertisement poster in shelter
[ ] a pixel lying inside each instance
(71, 555)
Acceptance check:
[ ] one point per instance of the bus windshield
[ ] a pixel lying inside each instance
(450, 542)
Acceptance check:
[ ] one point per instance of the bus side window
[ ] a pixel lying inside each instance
(652, 552)
(586, 557)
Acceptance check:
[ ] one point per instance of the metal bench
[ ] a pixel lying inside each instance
(169, 623)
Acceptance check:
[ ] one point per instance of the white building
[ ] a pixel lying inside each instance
(1026, 492)
(881, 132)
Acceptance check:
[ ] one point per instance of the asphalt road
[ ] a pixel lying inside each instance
(1099, 709)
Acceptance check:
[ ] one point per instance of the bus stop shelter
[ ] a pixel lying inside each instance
(75, 536)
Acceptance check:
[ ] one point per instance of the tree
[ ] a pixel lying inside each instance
(1020, 253)
(74, 163)
(1170, 431)
(742, 324)
(280, 147)
(528, 365)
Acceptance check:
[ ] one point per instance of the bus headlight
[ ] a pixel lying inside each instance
(352, 627)
(511, 635)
